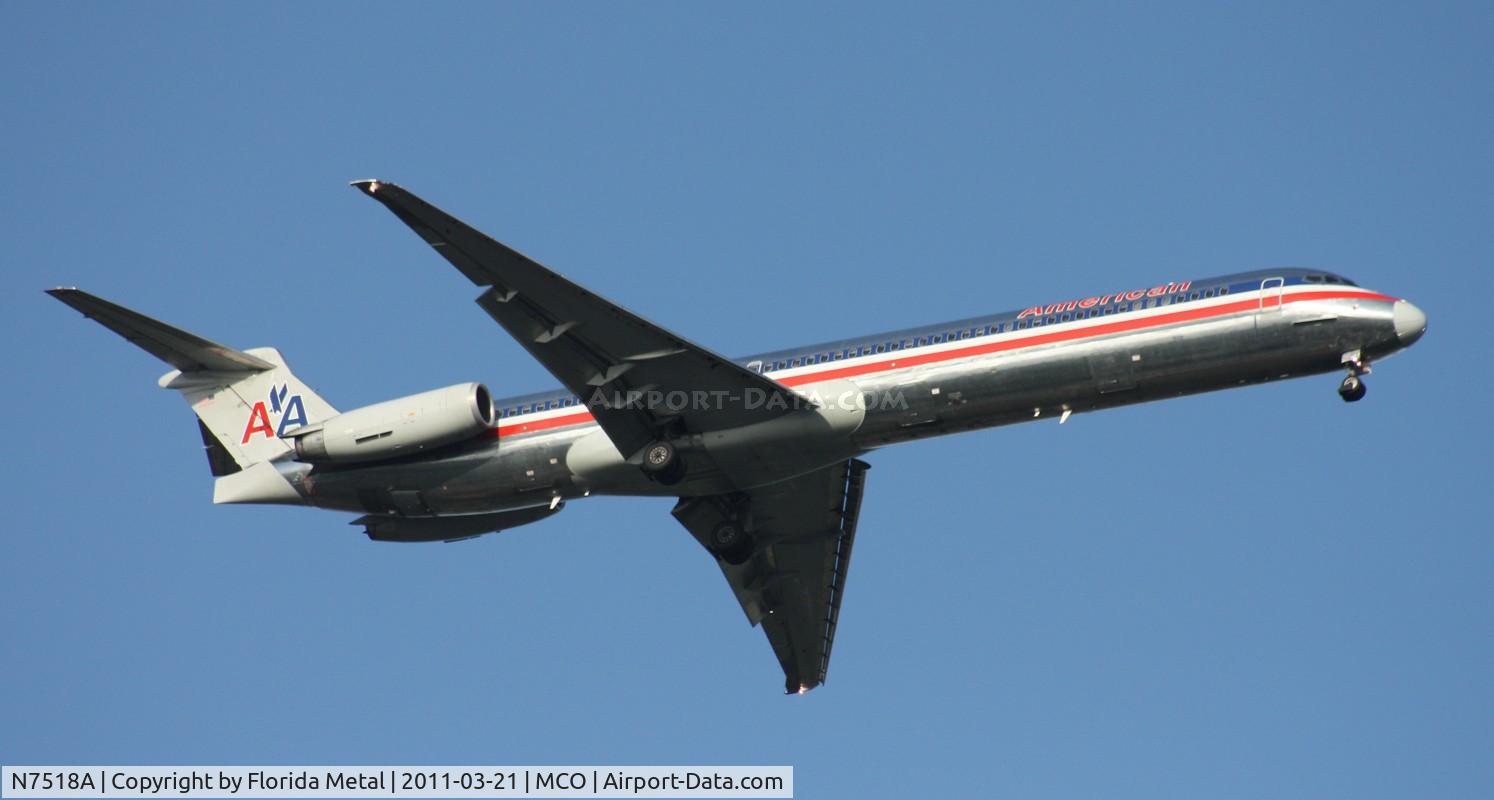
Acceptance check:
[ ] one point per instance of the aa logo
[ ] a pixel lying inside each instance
(289, 411)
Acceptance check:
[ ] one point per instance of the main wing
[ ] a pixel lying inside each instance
(793, 582)
(625, 368)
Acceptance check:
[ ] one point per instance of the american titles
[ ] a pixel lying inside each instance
(1118, 297)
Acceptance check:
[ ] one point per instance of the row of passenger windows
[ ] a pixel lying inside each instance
(980, 330)
(935, 338)
(541, 405)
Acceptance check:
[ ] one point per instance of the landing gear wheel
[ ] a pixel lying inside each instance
(1352, 389)
(662, 462)
(731, 542)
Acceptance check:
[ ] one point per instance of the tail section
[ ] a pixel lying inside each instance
(244, 400)
(244, 413)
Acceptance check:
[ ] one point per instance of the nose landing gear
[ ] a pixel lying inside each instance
(1352, 389)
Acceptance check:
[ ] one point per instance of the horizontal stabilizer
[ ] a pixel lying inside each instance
(185, 351)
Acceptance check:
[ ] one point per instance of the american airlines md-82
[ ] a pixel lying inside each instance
(763, 453)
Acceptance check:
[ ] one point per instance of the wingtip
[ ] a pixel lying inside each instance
(368, 185)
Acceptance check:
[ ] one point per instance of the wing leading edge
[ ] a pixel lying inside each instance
(793, 582)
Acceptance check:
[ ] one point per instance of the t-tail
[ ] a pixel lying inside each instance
(245, 400)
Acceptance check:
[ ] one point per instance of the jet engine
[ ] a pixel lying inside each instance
(398, 427)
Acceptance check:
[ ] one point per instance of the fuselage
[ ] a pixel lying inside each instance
(1042, 361)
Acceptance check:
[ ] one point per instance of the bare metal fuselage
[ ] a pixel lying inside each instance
(1070, 366)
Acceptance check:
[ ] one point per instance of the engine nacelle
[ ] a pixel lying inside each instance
(399, 427)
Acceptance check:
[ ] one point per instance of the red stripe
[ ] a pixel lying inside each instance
(903, 362)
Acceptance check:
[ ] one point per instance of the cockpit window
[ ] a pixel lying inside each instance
(1329, 278)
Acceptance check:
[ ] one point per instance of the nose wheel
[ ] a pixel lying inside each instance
(1352, 389)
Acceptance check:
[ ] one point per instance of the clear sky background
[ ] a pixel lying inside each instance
(1255, 593)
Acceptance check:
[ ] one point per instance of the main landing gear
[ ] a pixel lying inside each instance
(731, 542)
(662, 462)
(1352, 389)
(723, 524)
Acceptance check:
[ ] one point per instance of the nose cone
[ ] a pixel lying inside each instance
(1410, 323)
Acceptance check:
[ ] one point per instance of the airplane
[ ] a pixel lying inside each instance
(763, 454)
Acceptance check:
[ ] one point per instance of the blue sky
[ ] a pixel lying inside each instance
(1262, 592)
